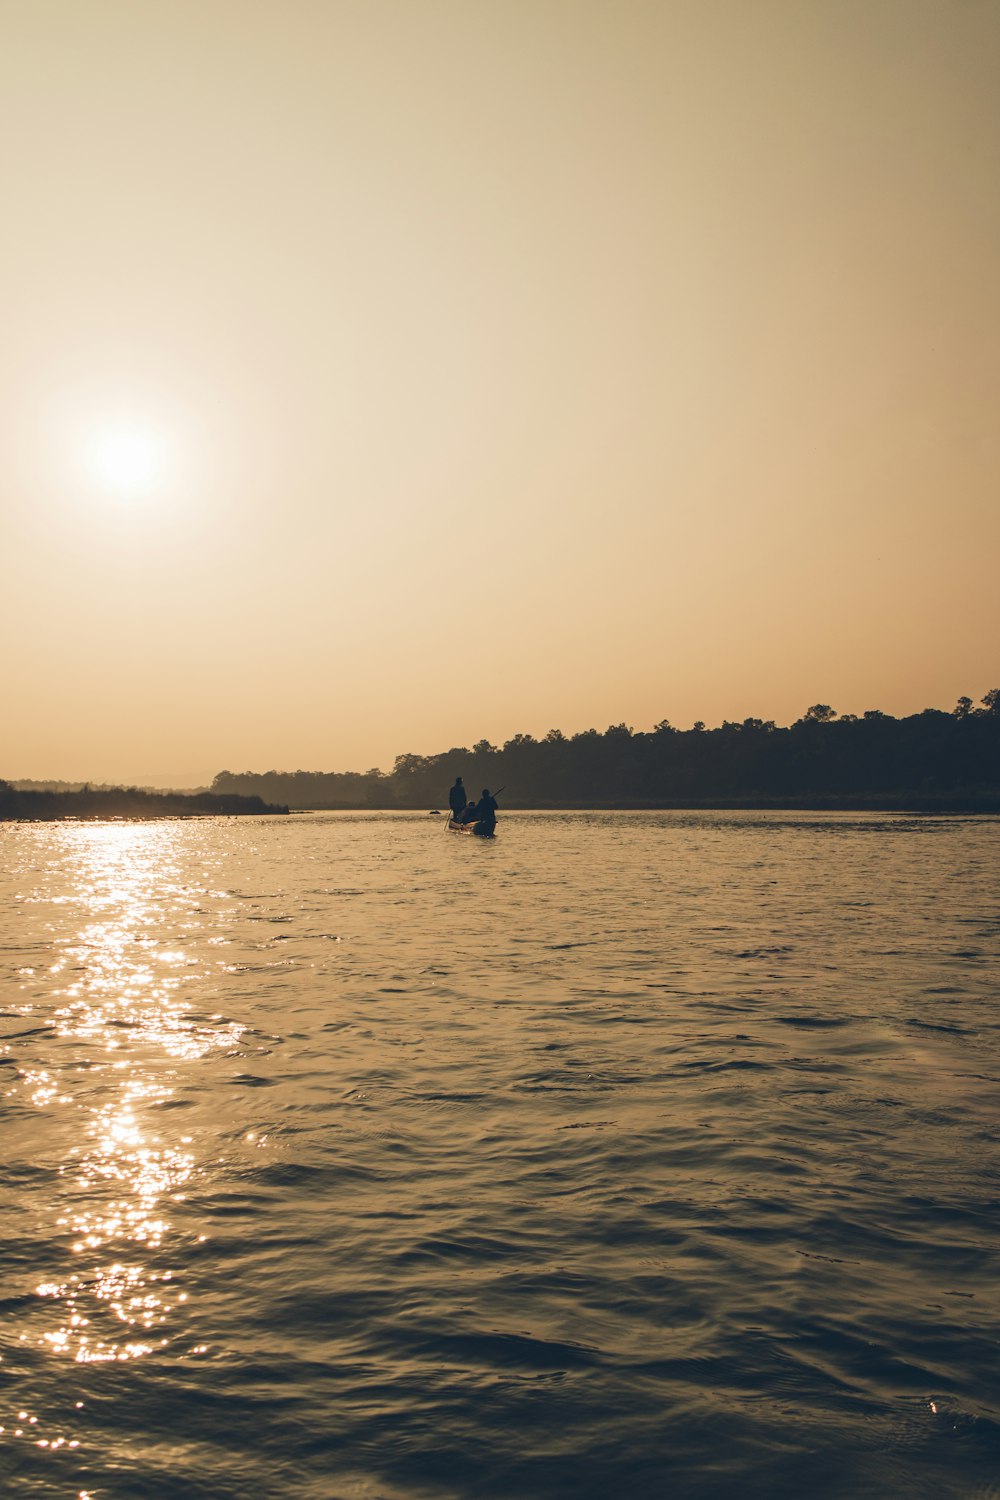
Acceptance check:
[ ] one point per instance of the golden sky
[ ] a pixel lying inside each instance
(379, 376)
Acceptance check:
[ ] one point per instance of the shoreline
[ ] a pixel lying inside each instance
(126, 804)
(914, 804)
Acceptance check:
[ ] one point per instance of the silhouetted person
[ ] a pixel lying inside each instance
(457, 800)
(486, 811)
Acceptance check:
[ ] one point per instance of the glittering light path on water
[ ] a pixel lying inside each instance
(114, 1001)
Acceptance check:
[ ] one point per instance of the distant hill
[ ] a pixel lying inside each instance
(931, 761)
(125, 802)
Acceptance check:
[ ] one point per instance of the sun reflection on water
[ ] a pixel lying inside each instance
(117, 1002)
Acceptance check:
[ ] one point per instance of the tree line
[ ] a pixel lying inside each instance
(931, 759)
(132, 802)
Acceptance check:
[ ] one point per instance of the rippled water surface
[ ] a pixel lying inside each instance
(628, 1154)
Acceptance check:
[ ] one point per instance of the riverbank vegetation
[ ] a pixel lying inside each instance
(934, 760)
(125, 802)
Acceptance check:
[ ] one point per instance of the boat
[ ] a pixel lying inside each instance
(482, 829)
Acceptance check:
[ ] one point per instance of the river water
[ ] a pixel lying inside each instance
(626, 1154)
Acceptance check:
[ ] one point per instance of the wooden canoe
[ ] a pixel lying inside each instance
(474, 828)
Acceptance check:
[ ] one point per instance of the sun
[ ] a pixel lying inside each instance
(127, 459)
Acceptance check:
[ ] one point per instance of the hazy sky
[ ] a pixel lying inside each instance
(379, 376)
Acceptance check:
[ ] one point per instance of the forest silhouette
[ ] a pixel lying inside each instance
(934, 760)
(48, 804)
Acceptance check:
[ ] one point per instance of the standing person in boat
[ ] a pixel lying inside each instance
(486, 811)
(457, 800)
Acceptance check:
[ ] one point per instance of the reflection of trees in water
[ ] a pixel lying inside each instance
(953, 757)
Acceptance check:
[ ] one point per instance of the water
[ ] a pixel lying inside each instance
(628, 1154)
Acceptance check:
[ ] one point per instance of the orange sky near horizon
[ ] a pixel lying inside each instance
(383, 376)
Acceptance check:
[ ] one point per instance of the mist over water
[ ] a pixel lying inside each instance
(643, 1153)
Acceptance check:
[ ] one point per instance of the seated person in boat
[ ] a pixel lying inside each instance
(457, 800)
(486, 810)
(468, 814)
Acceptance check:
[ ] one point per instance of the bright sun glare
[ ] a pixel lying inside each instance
(128, 460)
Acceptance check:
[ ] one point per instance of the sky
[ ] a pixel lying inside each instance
(378, 376)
